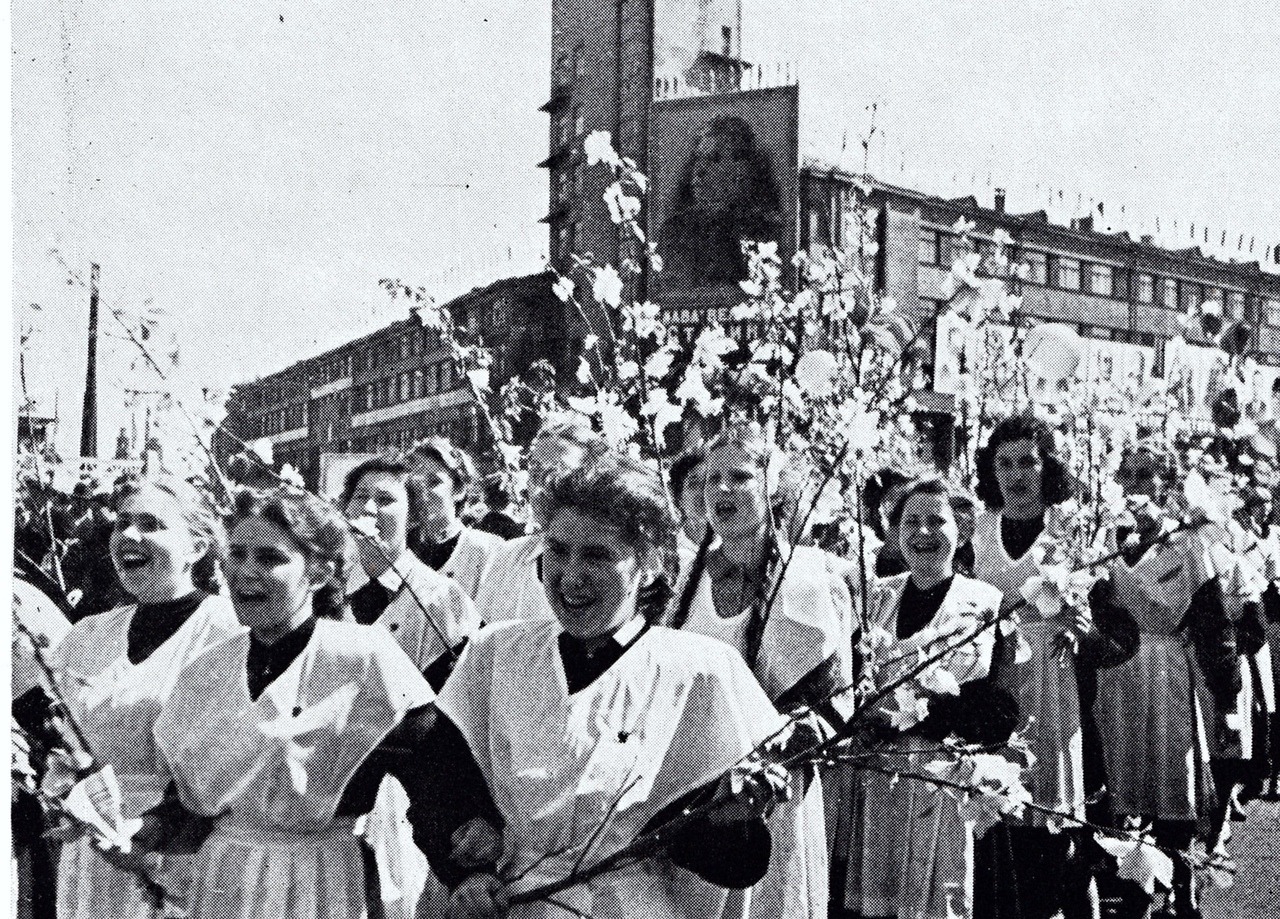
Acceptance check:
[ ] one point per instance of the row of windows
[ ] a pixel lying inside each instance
(338, 368)
(412, 384)
(290, 418)
(938, 247)
(460, 430)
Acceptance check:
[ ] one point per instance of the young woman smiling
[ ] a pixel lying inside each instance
(909, 852)
(596, 727)
(788, 612)
(430, 616)
(440, 538)
(118, 668)
(283, 731)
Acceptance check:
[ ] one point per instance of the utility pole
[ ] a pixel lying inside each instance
(89, 418)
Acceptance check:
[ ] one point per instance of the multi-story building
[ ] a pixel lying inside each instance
(397, 385)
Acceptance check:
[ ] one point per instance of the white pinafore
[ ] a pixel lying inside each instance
(116, 703)
(1045, 686)
(273, 771)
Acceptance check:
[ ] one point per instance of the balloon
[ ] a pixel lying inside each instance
(1053, 351)
(816, 373)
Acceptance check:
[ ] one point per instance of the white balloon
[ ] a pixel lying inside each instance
(1053, 351)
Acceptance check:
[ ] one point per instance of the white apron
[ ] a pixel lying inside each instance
(117, 703)
(1149, 709)
(403, 872)
(273, 771)
(903, 847)
(674, 713)
(471, 558)
(1047, 693)
(810, 621)
(512, 590)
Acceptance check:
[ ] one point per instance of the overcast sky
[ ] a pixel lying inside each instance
(254, 168)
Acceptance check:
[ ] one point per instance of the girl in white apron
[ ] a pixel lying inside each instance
(442, 540)
(560, 742)
(788, 612)
(912, 854)
(283, 731)
(1020, 479)
(512, 589)
(118, 668)
(431, 618)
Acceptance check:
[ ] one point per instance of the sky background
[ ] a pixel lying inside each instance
(254, 168)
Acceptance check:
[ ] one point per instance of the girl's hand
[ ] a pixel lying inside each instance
(481, 896)
(749, 792)
(476, 844)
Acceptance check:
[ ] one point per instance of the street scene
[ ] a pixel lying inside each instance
(676, 458)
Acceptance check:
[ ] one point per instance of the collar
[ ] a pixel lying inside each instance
(391, 579)
(626, 634)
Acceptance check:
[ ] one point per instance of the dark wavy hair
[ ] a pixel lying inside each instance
(318, 530)
(1056, 485)
(926, 485)
(625, 493)
(401, 469)
(202, 517)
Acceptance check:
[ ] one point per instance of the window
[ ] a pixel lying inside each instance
(1235, 304)
(1145, 288)
(1213, 295)
(1066, 273)
(726, 40)
(1169, 293)
(1037, 267)
(1101, 281)
(563, 125)
(930, 248)
(1271, 311)
(417, 383)
(579, 123)
(562, 185)
(1191, 295)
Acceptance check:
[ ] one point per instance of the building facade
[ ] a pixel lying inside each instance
(391, 388)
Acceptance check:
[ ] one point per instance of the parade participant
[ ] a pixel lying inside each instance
(283, 731)
(496, 520)
(688, 489)
(512, 589)
(440, 538)
(1020, 479)
(881, 492)
(788, 611)
(1150, 709)
(430, 616)
(559, 742)
(910, 853)
(118, 668)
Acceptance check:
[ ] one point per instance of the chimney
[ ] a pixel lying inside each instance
(1148, 239)
(1082, 224)
(1000, 200)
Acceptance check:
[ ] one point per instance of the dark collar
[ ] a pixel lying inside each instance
(267, 662)
(155, 623)
(583, 667)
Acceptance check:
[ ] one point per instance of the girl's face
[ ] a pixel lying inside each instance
(928, 535)
(693, 502)
(592, 576)
(153, 548)
(735, 493)
(382, 497)
(270, 577)
(441, 499)
(1140, 474)
(1020, 474)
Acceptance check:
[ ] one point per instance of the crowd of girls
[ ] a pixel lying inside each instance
(372, 709)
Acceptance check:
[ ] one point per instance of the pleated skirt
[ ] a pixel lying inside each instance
(90, 887)
(247, 871)
(1153, 728)
(1049, 703)
(899, 847)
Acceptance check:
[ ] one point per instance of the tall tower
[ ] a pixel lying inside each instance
(605, 56)
(89, 417)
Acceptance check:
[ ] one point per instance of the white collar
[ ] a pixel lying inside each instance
(628, 631)
(392, 578)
